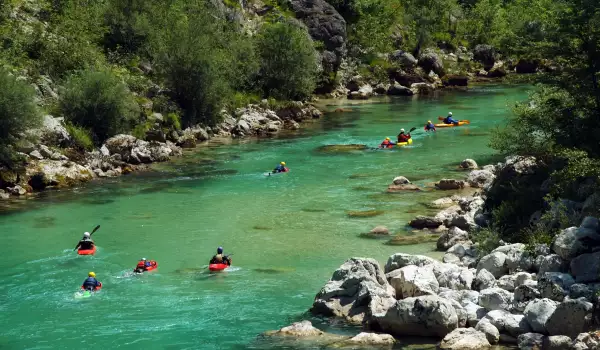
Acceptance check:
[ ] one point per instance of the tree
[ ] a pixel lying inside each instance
(288, 60)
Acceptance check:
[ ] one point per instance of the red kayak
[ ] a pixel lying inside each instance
(87, 251)
(217, 267)
(153, 266)
(95, 289)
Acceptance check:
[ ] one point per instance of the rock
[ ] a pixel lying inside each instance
(527, 66)
(538, 312)
(200, 133)
(507, 283)
(4, 195)
(399, 90)
(463, 221)
(448, 214)
(453, 236)
(523, 295)
(552, 263)
(399, 260)
(573, 241)
(586, 341)
(136, 151)
(56, 173)
(568, 318)
(586, 268)
(401, 180)
(455, 80)
(486, 55)
(442, 203)
(379, 231)
(421, 222)
(497, 71)
(484, 280)
(52, 132)
(450, 184)
(495, 299)
(350, 290)
(371, 339)
(554, 285)
(455, 277)
(413, 281)
(530, 341)
(36, 155)
(474, 313)
(298, 329)
(494, 263)
(381, 89)
(427, 315)
(422, 88)
(404, 59)
(463, 297)
(187, 140)
(468, 164)
(363, 93)
(556, 342)
(517, 259)
(465, 338)
(506, 322)
(480, 178)
(491, 332)
(17, 190)
(579, 290)
(430, 61)
(402, 188)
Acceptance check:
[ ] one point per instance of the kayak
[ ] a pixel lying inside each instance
(87, 251)
(402, 144)
(272, 173)
(95, 289)
(217, 267)
(460, 123)
(153, 266)
(83, 294)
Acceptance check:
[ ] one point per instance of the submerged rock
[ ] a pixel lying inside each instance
(450, 184)
(341, 148)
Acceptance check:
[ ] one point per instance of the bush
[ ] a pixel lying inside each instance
(81, 138)
(100, 102)
(18, 113)
(288, 62)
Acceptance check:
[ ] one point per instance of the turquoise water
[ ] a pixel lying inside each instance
(288, 232)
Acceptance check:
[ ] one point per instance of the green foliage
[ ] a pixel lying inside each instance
(427, 19)
(288, 62)
(139, 131)
(556, 218)
(81, 138)
(99, 101)
(172, 121)
(487, 239)
(18, 112)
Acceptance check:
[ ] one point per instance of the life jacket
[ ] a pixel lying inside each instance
(387, 144)
(141, 265)
(86, 244)
(429, 126)
(403, 138)
(90, 283)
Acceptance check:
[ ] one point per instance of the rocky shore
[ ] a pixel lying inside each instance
(540, 297)
(48, 164)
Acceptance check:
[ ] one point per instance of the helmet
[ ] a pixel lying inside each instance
(91, 274)
(220, 250)
(86, 235)
(401, 130)
(143, 259)
(282, 163)
(429, 121)
(387, 138)
(449, 113)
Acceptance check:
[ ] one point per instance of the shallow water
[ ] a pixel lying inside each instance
(288, 232)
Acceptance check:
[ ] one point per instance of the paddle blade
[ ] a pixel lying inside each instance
(412, 129)
(466, 121)
(94, 230)
(441, 118)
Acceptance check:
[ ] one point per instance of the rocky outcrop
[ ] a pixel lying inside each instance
(298, 329)
(468, 164)
(369, 339)
(134, 151)
(486, 55)
(421, 222)
(450, 184)
(464, 338)
(56, 173)
(454, 236)
(404, 59)
(399, 90)
(255, 120)
(413, 281)
(480, 178)
(431, 62)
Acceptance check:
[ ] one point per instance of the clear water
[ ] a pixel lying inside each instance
(288, 232)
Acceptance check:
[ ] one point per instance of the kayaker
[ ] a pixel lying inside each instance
(429, 126)
(387, 143)
(86, 243)
(91, 283)
(220, 258)
(403, 136)
(450, 120)
(142, 265)
(280, 168)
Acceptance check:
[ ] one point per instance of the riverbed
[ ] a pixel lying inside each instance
(287, 233)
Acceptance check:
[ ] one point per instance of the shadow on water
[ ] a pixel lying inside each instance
(262, 228)
(97, 201)
(44, 222)
(312, 210)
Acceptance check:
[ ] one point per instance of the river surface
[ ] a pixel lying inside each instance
(288, 233)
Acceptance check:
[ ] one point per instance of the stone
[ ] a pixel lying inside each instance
(486, 55)
(399, 90)
(403, 58)
(401, 180)
(538, 312)
(187, 140)
(3, 194)
(530, 341)
(491, 332)
(422, 89)
(468, 164)
(568, 318)
(298, 329)
(554, 285)
(474, 313)
(480, 178)
(586, 268)
(442, 203)
(36, 155)
(371, 339)
(413, 281)
(104, 151)
(57, 173)
(455, 277)
(586, 341)
(494, 263)
(506, 322)
(453, 236)
(402, 188)
(52, 132)
(507, 283)
(455, 80)
(431, 62)
(450, 184)
(495, 299)
(552, 263)
(523, 295)
(421, 222)
(17, 190)
(464, 338)
(484, 280)
(379, 231)
(580, 290)
(574, 241)
(399, 260)
(556, 342)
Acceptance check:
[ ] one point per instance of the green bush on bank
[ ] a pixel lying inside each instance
(100, 102)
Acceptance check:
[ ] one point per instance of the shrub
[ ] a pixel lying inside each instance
(100, 102)
(288, 62)
(172, 121)
(18, 112)
(81, 138)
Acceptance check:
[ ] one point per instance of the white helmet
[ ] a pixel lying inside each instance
(449, 113)
(86, 235)
(401, 130)
(143, 259)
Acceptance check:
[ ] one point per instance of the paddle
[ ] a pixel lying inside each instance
(91, 233)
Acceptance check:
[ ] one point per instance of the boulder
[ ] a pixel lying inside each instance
(495, 299)
(187, 140)
(506, 322)
(586, 268)
(400, 180)
(554, 285)
(428, 316)
(569, 318)
(413, 281)
(497, 71)
(556, 342)
(480, 178)
(463, 221)
(450, 184)
(551, 263)
(507, 282)
(465, 338)
(448, 214)
(586, 341)
(453, 236)
(573, 241)
(363, 93)
(455, 277)
(455, 80)
(17, 190)
(56, 173)
(382, 89)
(474, 313)
(523, 295)
(431, 62)
(517, 259)
(538, 312)
(370, 339)
(579, 290)
(399, 260)
(402, 188)
(422, 88)
(468, 164)
(527, 66)
(463, 297)
(486, 55)
(495, 263)
(348, 294)
(298, 329)
(484, 280)
(399, 90)
(421, 222)
(530, 341)
(53, 131)
(379, 231)
(491, 332)
(4, 195)
(404, 59)
(442, 203)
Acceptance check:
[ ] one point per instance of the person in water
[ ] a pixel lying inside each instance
(429, 126)
(142, 265)
(387, 143)
(280, 168)
(403, 136)
(85, 243)
(91, 283)
(220, 258)
(450, 120)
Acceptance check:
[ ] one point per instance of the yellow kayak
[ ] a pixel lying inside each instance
(460, 123)
(402, 144)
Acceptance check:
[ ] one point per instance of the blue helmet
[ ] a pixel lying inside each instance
(220, 250)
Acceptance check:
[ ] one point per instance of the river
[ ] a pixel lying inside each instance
(288, 232)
